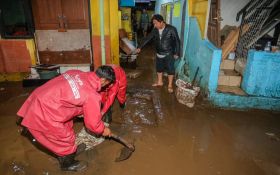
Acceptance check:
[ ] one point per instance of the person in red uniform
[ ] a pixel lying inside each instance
(115, 90)
(49, 111)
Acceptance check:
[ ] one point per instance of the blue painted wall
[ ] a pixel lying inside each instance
(261, 76)
(244, 102)
(201, 53)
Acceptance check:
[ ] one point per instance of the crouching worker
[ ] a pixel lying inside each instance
(49, 111)
(115, 90)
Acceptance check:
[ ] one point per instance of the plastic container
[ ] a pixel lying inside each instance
(47, 74)
(268, 47)
(186, 93)
(231, 56)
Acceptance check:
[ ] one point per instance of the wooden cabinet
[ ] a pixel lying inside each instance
(65, 57)
(60, 14)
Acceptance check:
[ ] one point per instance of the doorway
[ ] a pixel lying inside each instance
(214, 22)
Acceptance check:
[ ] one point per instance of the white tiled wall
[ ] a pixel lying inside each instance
(82, 67)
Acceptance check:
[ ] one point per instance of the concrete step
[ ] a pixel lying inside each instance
(229, 78)
(227, 64)
(231, 90)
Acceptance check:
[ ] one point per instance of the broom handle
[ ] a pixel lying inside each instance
(195, 75)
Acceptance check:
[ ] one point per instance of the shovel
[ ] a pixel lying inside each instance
(126, 151)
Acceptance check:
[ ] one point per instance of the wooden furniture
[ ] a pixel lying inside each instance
(60, 14)
(65, 57)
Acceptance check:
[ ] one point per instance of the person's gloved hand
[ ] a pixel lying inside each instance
(122, 105)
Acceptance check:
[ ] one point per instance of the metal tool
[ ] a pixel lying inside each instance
(126, 151)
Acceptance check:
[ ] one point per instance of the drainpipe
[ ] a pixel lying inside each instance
(102, 37)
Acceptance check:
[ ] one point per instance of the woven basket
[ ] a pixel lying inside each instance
(186, 93)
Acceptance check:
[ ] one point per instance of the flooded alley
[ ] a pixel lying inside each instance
(169, 137)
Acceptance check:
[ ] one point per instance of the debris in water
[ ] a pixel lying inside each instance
(273, 136)
(143, 108)
(139, 112)
(134, 74)
(91, 141)
(142, 95)
(18, 169)
(157, 107)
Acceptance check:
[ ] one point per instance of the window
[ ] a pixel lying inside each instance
(16, 19)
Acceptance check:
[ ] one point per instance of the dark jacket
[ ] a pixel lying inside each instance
(169, 42)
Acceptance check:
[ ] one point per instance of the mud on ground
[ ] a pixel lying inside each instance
(169, 137)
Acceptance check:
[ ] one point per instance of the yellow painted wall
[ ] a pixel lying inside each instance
(198, 9)
(30, 44)
(114, 32)
(94, 13)
(120, 19)
(126, 19)
(107, 16)
(111, 26)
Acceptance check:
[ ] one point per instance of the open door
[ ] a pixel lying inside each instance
(213, 31)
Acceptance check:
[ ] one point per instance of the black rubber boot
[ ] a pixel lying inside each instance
(68, 163)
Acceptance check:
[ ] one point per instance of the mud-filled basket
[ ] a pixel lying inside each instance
(186, 93)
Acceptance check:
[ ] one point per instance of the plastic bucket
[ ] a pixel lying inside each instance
(47, 74)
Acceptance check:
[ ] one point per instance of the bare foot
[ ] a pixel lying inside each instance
(170, 90)
(157, 84)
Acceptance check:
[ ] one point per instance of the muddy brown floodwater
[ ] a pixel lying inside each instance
(169, 137)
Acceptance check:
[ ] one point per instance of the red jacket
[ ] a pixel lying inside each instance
(51, 107)
(117, 89)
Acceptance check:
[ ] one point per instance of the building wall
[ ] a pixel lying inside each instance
(229, 11)
(261, 76)
(126, 19)
(201, 53)
(109, 52)
(16, 57)
(196, 8)
(52, 40)
(158, 4)
(177, 17)
(199, 9)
